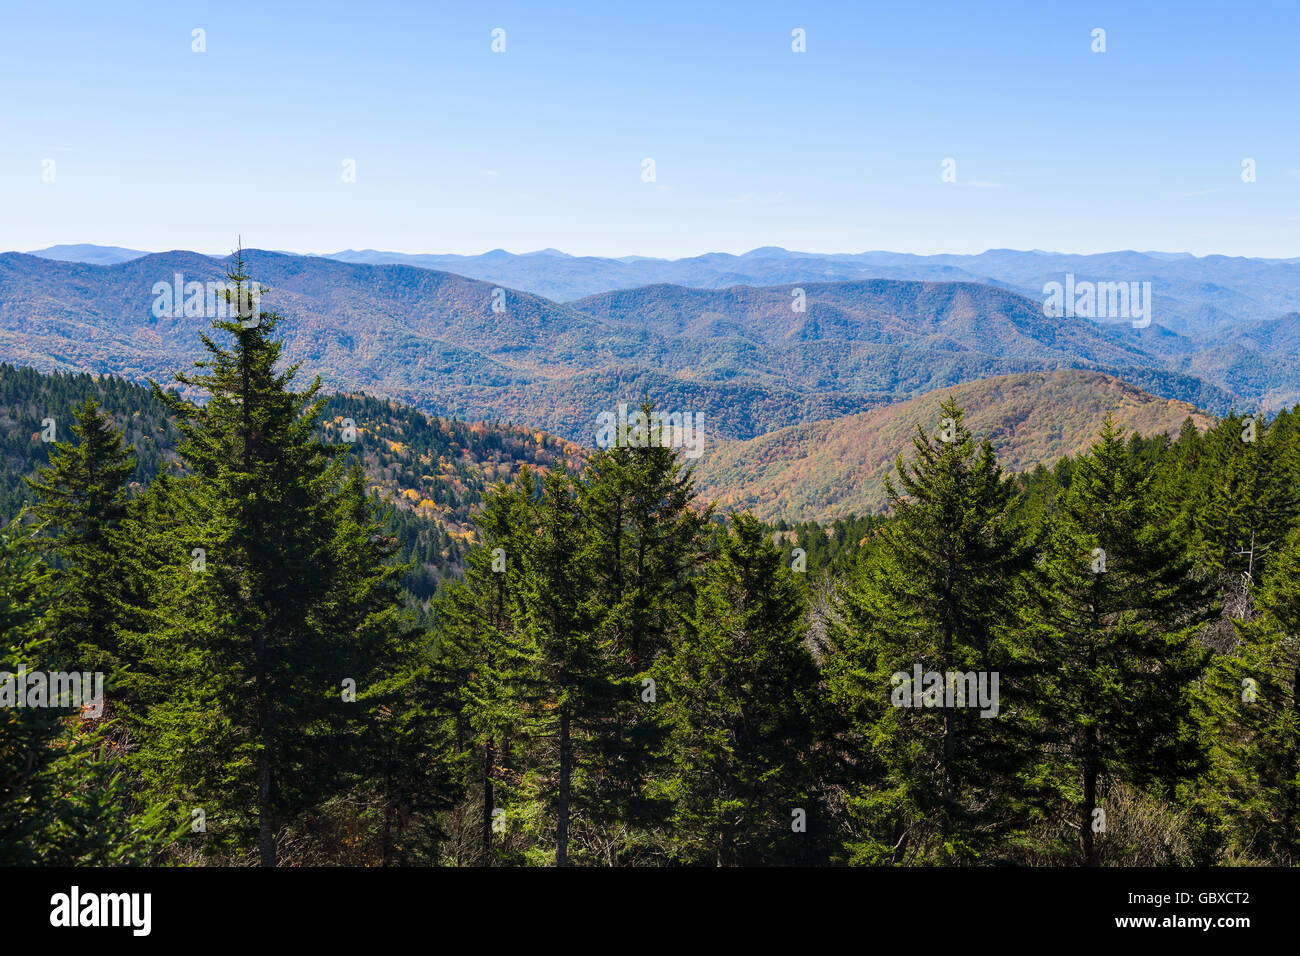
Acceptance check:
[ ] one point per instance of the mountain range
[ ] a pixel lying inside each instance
(808, 391)
(744, 357)
(1192, 294)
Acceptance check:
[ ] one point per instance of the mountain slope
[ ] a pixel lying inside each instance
(1260, 360)
(429, 338)
(432, 470)
(465, 349)
(956, 316)
(897, 339)
(829, 469)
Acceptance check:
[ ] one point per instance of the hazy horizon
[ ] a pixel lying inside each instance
(552, 250)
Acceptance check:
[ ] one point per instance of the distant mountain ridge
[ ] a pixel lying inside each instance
(1191, 293)
(89, 254)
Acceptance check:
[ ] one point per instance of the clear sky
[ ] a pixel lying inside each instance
(838, 149)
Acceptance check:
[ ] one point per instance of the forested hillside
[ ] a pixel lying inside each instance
(28, 399)
(433, 471)
(830, 469)
(1093, 664)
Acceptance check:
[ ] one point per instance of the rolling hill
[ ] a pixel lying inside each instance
(938, 317)
(830, 469)
(741, 356)
(88, 253)
(897, 339)
(1259, 359)
(435, 471)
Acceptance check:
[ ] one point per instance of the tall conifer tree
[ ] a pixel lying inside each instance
(648, 541)
(1113, 640)
(939, 590)
(485, 652)
(63, 798)
(82, 498)
(555, 610)
(740, 691)
(279, 614)
(1251, 717)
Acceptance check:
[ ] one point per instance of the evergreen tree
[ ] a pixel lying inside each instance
(402, 760)
(484, 650)
(554, 609)
(1241, 501)
(82, 499)
(1113, 640)
(63, 799)
(276, 618)
(932, 783)
(740, 693)
(648, 543)
(1251, 716)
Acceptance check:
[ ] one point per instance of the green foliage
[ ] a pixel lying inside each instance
(63, 800)
(433, 471)
(27, 398)
(933, 784)
(445, 643)
(1250, 710)
(82, 501)
(1110, 638)
(742, 704)
(279, 635)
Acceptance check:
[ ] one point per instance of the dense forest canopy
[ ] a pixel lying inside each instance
(451, 644)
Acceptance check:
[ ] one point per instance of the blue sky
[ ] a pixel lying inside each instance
(839, 149)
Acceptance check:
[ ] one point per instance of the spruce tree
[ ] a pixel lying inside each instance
(399, 759)
(63, 798)
(932, 783)
(1251, 717)
(276, 608)
(555, 611)
(82, 498)
(648, 541)
(1241, 503)
(740, 694)
(484, 651)
(1113, 635)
